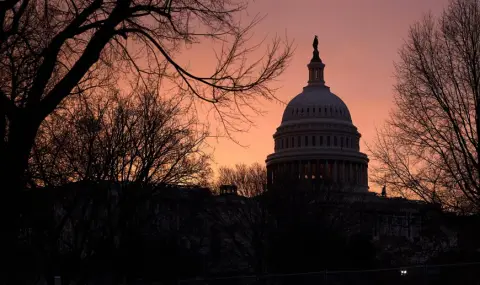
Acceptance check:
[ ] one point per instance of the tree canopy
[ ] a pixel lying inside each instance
(50, 50)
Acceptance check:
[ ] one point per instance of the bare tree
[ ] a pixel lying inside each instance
(53, 50)
(136, 138)
(50, 50)
(429, 147)
(250, 180)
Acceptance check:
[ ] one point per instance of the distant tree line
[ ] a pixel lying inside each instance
(250, 180)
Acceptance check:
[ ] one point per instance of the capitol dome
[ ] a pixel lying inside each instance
(316, 102)
(316, 140)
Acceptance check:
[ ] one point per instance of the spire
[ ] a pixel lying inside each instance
(315, 67)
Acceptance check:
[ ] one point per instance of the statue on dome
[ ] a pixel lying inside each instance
(315, 43)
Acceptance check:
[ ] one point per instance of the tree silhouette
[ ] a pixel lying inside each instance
(250, 179)
(52, 50)
(133, 138)
(430, 146)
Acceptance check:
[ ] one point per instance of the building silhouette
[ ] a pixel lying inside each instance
(317, 140)
(317, 150)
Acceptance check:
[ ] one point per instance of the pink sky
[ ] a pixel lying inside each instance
(358, 42)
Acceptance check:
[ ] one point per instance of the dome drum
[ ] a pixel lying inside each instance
(316, 140)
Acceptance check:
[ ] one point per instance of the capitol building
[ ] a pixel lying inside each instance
(317, 141)
(317, 147)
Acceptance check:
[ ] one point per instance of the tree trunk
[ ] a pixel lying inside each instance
(477, 122)
(13, 163)
(21, 137)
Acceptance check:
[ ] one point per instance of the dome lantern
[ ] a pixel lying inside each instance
(315, 67)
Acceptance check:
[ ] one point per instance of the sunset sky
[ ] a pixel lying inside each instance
(358, 42)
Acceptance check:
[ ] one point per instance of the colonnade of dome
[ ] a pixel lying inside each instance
(338, 171)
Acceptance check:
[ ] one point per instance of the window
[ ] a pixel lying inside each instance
(321, 140)
(328, 140)
(313, 140)
(292, 145)
(308, 110)
(306, 140)
(341, 142)
(313, 109)
(298, 141)
(286, 143)
(335, 141)
(348, 146)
